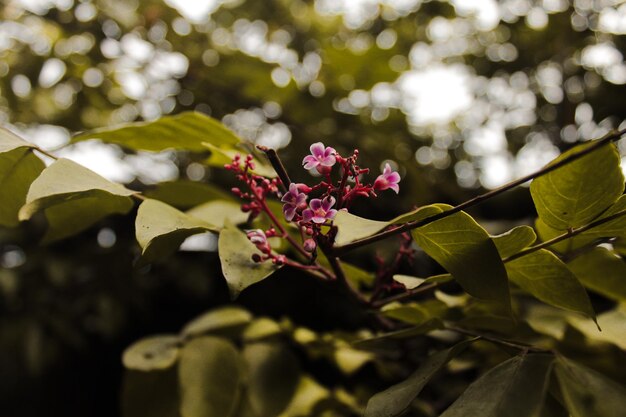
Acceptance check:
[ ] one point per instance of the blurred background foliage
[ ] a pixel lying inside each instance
(459, 95)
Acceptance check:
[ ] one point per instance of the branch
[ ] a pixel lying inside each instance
(566, 235)
(517, 345)
(277, 164)
(608, 138)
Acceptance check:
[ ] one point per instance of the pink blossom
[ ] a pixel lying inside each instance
(321, 158)
(294, 201)
(388, 179)
(259, 239)
(320, 210)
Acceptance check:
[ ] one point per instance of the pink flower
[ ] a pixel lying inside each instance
(294, 201)
(321, 158)
(388, 179)
(320, 210)
(259, 239)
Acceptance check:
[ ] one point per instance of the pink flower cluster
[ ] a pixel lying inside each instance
(310, 215)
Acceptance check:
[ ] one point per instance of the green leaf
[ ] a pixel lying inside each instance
(217, 212)
(588, 393)
(185, 131)
(410, 282)
(576, 193)
(19, 167)
(426, 327)
(261, 328)
(613, 228)
(350, 360)
(464, 249)
(153, 394)
(397, 398)
(546, 277)
(613, 324)
(219, 319)
(160, 229)
(273, 375)
(514, 240)
(602, 271)
(187, 194)
(308, 394)
(152, 353)
(515, 388)
(411, 313)
(240, 271)
(9, 141)
(351, 227)
(210, 377)
(73, 198)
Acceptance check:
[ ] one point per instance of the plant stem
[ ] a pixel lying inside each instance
(277, 164)
(340, 276)
(569, 234)
(405, 295)
(517, 345)
(608, 138)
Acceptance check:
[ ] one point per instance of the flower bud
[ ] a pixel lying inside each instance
(309, 245)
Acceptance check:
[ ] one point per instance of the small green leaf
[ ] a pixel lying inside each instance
(411, 313)
(410, 282)
(397, 398)
(240, 271)
(351, 227)
(222, 318)
(187, 194)
(152, 353)
(350, 360)
(308, 394)
(185, 131)
(515, 388)
(261, 328)
(19, 167)
(160, 229)
(273, 375)
(210, 377)
(601, 271)
(514, 240)
(588, 393)
(546, 277)
(73, 198)
(574, 194)
(464, 249)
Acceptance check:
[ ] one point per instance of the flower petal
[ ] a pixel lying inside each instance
(317, 150)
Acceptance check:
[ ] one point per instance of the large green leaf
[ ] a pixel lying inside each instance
(224, 154)
(514, 240)
(351, 227)
(574, 194)
(210, 376)
(613, 228)
(10, 141)
(587, 393)
(152, 353)
(160, 229)
(612, 322)
(187, 194)
(273, 375)
(515, 388)
(19, 167)
(217, 212)
(396, 399)
(546, 277)
(465, 250)
(240, 271)
(73, 198)
(602, 271)
(185, 131)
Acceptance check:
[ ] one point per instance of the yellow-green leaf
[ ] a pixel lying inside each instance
(515, 388)
(210, 377)
(576, 193)
(546, 277)
(464, 249)
(514, 240)
(588, 393)
(222, 318)
(152, 353)
(185, 131)
(187, 194)
(601, 271)
(240, 271)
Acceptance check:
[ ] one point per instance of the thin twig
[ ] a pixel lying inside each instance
(517, 345)
(569, 234)
(405, 295)
(44, 152)
(277, 164)
(608, 138)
